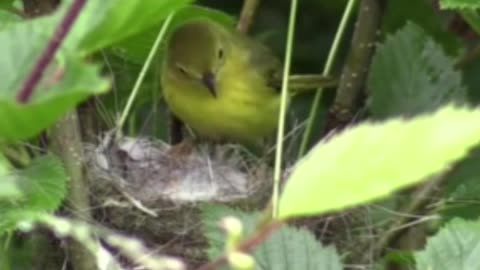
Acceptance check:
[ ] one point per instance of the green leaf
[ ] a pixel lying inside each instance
(459, 4)
(411, 74)
(456, 246)
(43, 186)
(286, 248)
(422, 14)
(51, 100)
(463, 182)
(136, 48)
(7, 19)
(6, 4)
(8, 187)
(105, 22)
(462, 191)
(67, 81)
(372, 160)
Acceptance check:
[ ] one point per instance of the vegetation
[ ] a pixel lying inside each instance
(378, 172)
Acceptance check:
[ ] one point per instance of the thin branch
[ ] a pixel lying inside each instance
(246, 16)
(67, 143)
(62, 29)
(277, 173)
(355, 70)
(420, 197)
(143, 73)
(326, 71)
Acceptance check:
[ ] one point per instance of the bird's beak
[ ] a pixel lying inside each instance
(208, 79)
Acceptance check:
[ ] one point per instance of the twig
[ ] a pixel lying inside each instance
(62, 29)
(66, 142)
(277, 173)
(246, 245)
(420, 197)
(356, 67)
(246, 16)
(326, 71)
(143, 73)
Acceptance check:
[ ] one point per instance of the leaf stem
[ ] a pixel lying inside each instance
(60, 33)
(143, 72)
(283, 108)
(326, 71)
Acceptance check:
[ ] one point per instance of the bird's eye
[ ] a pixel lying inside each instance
(220, 53)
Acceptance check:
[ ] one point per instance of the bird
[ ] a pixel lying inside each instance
(223, 84)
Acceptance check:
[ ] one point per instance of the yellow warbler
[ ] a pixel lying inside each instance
(222, 84)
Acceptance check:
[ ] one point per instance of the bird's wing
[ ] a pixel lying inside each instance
(263, 61)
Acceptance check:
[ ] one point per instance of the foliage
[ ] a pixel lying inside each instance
(408, 61)
(412, 126)
(312, 185)
(286, 248)
(43, 188)
(455, 246)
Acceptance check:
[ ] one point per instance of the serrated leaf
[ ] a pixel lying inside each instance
(136, 48)
(43, 186)
(463, 182)
(462, 189)
(287, 248)
(372, 160)
(459, 4)
(456, 246)
(410, 74)
(422, 14)
(8, 188)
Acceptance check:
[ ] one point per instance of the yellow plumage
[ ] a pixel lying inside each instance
(220, 83)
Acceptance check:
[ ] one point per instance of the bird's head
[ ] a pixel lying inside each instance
(196, 53)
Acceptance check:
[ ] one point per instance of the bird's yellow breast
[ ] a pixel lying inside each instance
(245, 110)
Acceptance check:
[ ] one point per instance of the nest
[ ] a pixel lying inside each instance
(152, 190)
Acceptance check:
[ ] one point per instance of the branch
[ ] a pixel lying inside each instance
(246, 16)
(66, 142)
(358, 61)
(62, 29)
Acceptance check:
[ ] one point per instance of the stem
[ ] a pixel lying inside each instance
(62, 29)
(143, 72)
(67, 143)
(358, 61)
(5, 250)
(419, 198)
(326, 71)
(283, 108)
(246, 16)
